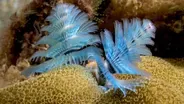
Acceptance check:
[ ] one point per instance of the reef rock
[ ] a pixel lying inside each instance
(73, 84)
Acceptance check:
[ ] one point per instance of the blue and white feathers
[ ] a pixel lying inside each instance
(130, 43)
(72, 40)
(69, 29)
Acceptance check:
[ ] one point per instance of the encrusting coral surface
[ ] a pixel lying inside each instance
(164, 87)
(72, 85)
(75, 85)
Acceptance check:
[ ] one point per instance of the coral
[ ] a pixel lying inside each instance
(9, 77)
(165, 86)
(151, 9)
(178, 26)
(5, 47)
(71, 85)
(11, 74)
(8, 8)
(176, 62)
(174, 71)
(88, 6)
(156, 92)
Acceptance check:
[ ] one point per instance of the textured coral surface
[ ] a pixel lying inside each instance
(165, 86)
(74, 85)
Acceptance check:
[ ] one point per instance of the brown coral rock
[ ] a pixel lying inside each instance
(71, 85)
(152, 9)
(9, 76)
(88, 6)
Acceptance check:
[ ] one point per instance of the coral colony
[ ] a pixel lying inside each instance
(73, 39)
